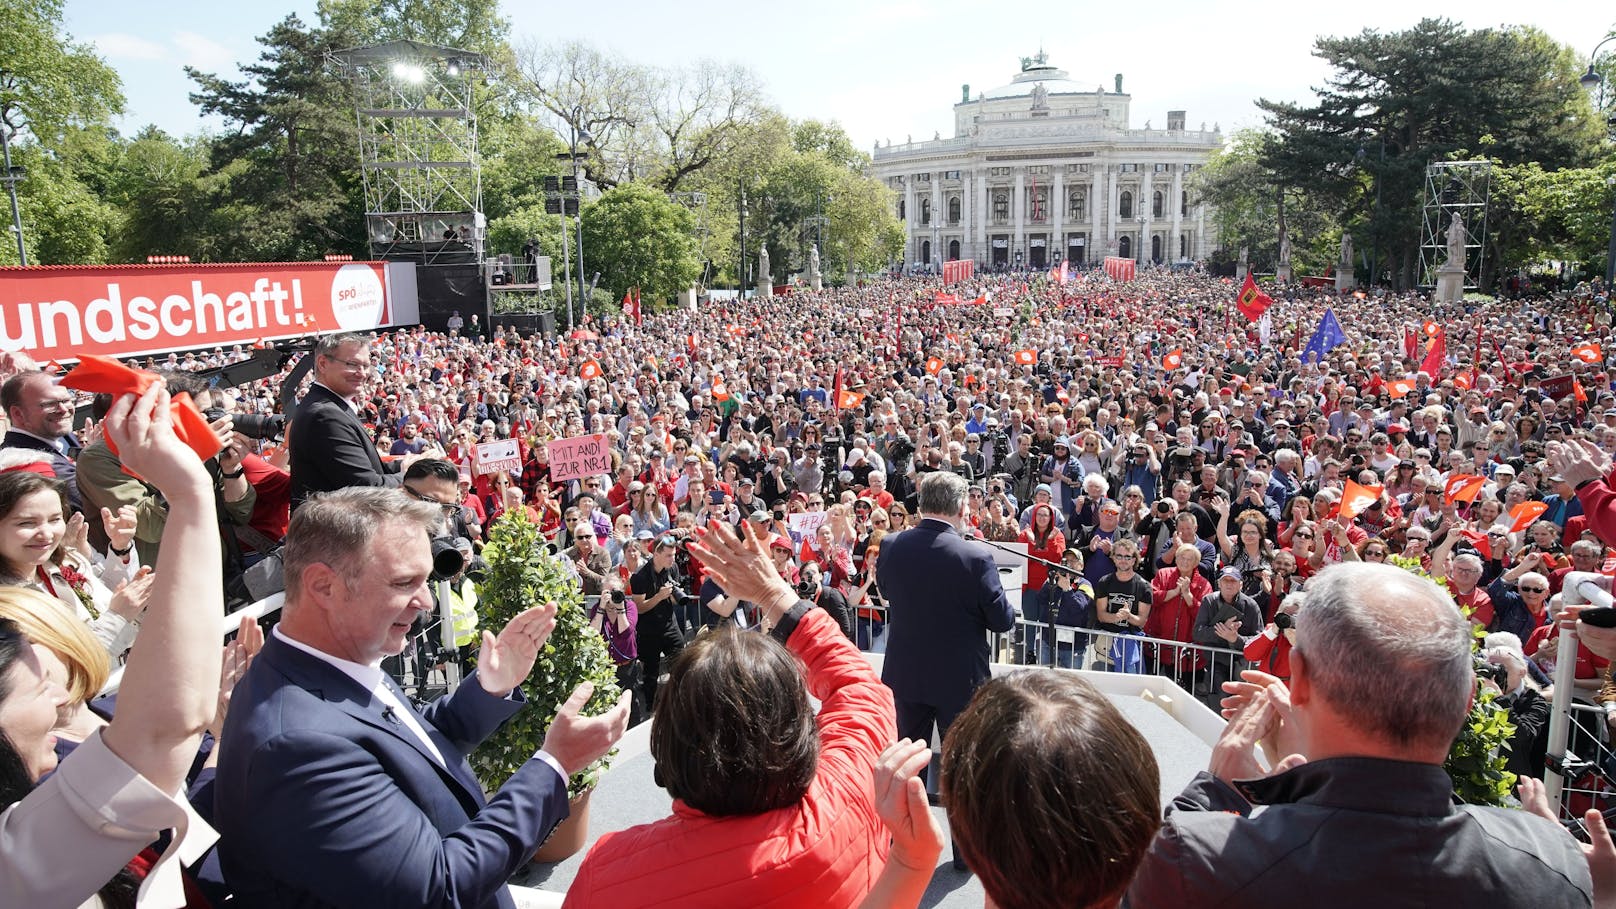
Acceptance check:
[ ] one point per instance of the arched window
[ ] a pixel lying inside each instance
(1184, 202)
(1156, 246)
(1040, 205)
(1125, 246)
(925, 211)
(953, 209)
(953, 250)
(1001, 206)
(925, 252)
(1125, 205)
(1074, 206)
(1156, 205)
(1183, 246)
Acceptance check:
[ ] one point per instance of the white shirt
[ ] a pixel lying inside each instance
(373, 680)
(346, 400)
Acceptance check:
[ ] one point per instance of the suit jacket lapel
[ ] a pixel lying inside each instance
(343, 693)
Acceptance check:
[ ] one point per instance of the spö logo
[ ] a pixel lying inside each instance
(356, 297)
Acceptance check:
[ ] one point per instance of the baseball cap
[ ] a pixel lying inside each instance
(780, 542)
(1231, 572)
(644, 536)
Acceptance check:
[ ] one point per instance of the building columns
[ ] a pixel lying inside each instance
(1178, 212)
(1146, 212)
(1057, 205)
(910, 247)
(1018, 217)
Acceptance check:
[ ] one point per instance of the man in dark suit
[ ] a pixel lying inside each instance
(330, 448)
(332, 789)
(41, 415)
(943, 597)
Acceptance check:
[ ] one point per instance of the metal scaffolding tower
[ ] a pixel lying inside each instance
(418, 150)
(1455, 187)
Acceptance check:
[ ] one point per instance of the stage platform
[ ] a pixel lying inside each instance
(1180, 730)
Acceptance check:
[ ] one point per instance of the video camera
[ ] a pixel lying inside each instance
(252, 425)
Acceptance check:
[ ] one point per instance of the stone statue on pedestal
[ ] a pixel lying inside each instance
(1242, 266)
(1284, 247)
(813, 260)
(1345, 278)
(1458, 237)
(1346, 248)
(1040, 97)
(763, 266)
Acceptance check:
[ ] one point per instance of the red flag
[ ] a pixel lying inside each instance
(1252, 301)
(720, 390)
(1462, 380)
(1524, 514)
(639, 308)
(1479, 540)
(981, 300)
(1357, 497)
(590, 370)
(1108, 362)
(690, 343)
(1411, 342)
(836, 391)
(934, 366)
(1435, 354)
(1588, 353)
(848, 400)
(1578, 393)
(1399, 388)
(1431, 329)
(1026, 357)
(1173, 360)
(628, 302)
(1463, 487)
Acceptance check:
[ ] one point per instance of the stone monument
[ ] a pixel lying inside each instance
(765, 280)
(815, 279)
(1344, 279)
(1450, 276)
(1283, 272)
(1242, 267)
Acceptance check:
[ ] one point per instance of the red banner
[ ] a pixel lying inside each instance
(1119, 269)
(958, 270)
(62, 312)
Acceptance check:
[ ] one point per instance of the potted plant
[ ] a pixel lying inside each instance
(522, 573)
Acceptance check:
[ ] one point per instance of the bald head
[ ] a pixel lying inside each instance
(1389, 652)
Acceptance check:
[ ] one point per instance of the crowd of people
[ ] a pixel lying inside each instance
(815, 465)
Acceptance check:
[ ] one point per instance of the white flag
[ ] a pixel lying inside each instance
(1264, 326)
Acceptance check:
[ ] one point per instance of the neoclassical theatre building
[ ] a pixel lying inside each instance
(1046, 168)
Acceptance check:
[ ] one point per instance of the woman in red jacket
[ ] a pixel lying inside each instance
(772, 806)
(1044, 541)
(1176, 594)
(1271, 650)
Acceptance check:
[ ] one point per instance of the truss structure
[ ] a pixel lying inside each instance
(1462, 188)
(418, 150)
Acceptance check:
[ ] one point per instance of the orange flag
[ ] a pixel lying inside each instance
(1463, 487)
(96, 373)
(1524, 514)
(1399, 388)
(1462, 379)
(1588, 353)
(1431, 329)
(1357, 497)
(1478, 540)
(1173, 360)
(934, 366)
(720, 390)
(1578, 393)
(590, 370)
(1026, 357)
(849, 400)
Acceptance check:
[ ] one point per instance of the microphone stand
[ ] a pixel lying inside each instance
(1049, 614)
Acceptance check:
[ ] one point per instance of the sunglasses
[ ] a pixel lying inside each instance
(1534, 590)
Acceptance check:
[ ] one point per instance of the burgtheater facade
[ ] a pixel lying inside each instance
(1045, 169)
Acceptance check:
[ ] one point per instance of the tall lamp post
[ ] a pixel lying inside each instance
(11, 176)
(1589, 80)
(579, 134)
(740, 271)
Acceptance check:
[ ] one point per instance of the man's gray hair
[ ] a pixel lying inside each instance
(328, 344)
(943, 493)
(335, 528)
(1389, 652)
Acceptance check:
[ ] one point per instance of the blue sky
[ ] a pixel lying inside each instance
(885, 69)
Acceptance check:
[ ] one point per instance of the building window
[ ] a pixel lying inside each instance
(902, 214)
(1183, 246)
(951, 175)
(1184, 203)
(1156, 205)
(1038, 169)
(953, 209)
(1125, 205)
(1163, 168)
(1125, 246)
(1001, 206)
(1077, 168)
(999, 171)
(1075, 206)
(922, 178)
(1128, 168)
(925, 211)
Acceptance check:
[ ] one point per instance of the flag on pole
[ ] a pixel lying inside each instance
(1252, 301)
(934, 366)
(1026, 357)
(639, 308)
(1463, 487)
(1399, 388)
(1524, 514)
(1588, 353)
(849, 399)
(1431, 329)
(1356, 498)
(1435, 355)
(1326, 337)
(720, 390)
(1173, 360)
(590, 370)
(1411, 342)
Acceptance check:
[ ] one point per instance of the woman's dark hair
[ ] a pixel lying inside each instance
(16, 485)
(1053, 796)
(15, 783)
(733, 732)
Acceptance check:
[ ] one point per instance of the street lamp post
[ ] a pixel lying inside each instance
(740, 271)
(11, 176)
(1590, 79)
(579, 134)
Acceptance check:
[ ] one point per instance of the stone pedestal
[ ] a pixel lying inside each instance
(1240, 271)
(1283, 273)
(816, 281)
(687, 298)
(1344, 280)
(1449, 284)
(765, 290)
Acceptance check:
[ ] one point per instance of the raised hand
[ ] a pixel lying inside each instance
(576, 741)
(143, 431)
(900, 800)
(743, 568)
(505, 661)
(120, 527)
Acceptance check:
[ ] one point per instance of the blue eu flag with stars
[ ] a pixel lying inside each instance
(1325, 339)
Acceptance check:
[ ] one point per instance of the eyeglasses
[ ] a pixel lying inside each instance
(448, 507)
(1534, 590)
(351, 364)
(55, 404)
(1304, 536)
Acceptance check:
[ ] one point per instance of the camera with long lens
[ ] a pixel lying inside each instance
(806, 589)
(999, 441)
(1490, 670)
(252, 425)
(447, 560)
(1284, 620)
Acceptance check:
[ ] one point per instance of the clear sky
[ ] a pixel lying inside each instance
(885, 69)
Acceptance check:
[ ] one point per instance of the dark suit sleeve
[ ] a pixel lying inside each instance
(470, 714)
(329, 811)
(994, 606)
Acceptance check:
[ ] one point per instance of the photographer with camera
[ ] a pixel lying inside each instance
(656, 593)
(1271, 650)
(617, 621)
(1022, 465)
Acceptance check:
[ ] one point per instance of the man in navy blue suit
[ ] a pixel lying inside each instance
(332, 789)
(943, 597)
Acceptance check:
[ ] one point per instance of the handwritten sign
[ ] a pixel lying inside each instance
(579, 457)
(493, 457)
(1004, 312)
(803, 524)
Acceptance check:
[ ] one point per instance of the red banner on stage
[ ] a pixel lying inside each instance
(958, 270)
(63, 312)
(1119, 269)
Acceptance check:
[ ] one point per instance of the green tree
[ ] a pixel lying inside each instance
(1538, 216)
(1397, 101)
(48, 81)
(1250, 202)
(290, 165)
(636, 237)
(163, 190)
